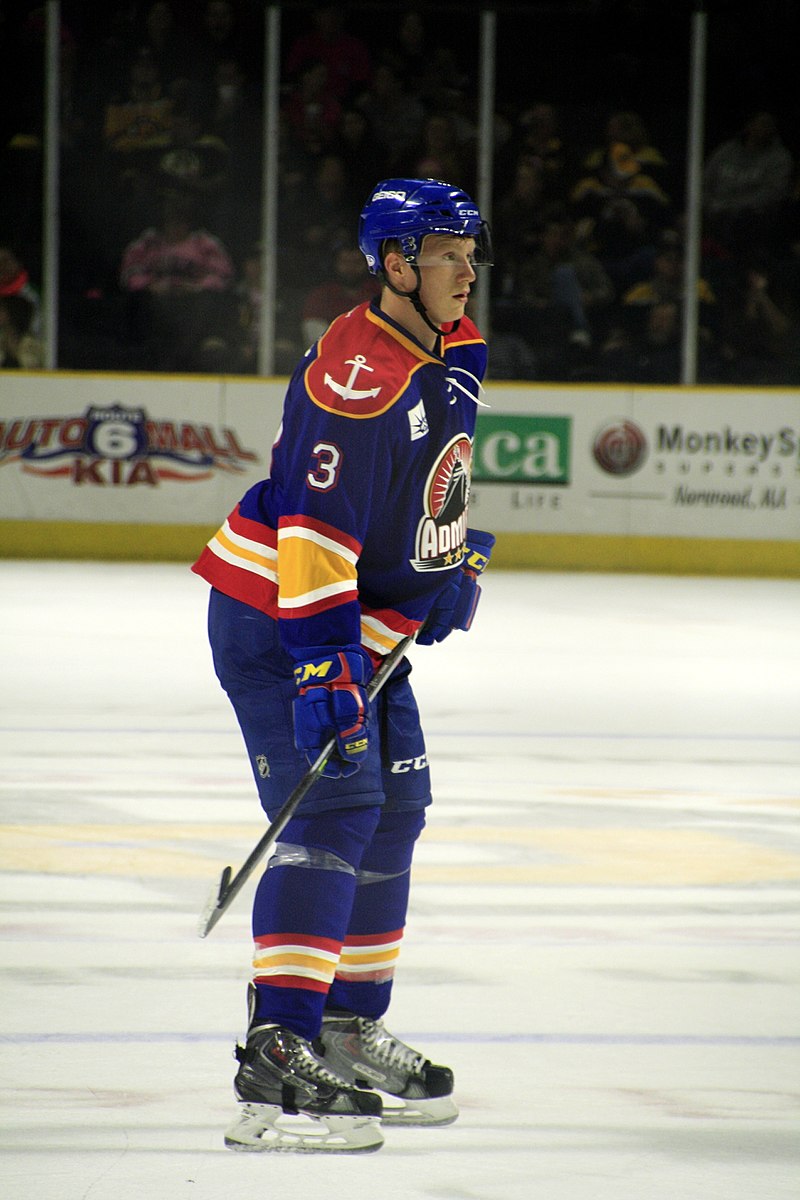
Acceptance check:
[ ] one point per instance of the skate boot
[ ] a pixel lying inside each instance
(416, 1092)
(290, 1100)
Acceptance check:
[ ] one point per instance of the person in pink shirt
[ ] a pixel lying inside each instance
(179, 278)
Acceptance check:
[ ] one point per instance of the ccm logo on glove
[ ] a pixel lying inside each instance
(331, 703)
(317, 670)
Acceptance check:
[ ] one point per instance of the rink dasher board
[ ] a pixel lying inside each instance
(144, 467)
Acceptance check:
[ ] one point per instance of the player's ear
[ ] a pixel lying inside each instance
(398, 272)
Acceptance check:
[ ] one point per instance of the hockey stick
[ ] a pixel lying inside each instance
(229, 886)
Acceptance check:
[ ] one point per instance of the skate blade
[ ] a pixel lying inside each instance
(439, 1110)
(264, 1128)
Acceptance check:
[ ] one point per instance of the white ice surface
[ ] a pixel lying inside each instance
(603, 937)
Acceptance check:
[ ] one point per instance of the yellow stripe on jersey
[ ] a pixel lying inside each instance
(243, 552)
(313, 568)
(377, 636)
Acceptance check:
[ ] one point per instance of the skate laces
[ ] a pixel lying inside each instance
(389, 1049)
(301, 1060)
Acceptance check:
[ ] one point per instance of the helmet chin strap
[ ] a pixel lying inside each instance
(416, 301)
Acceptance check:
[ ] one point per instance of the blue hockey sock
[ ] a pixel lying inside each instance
(301, 913)
(364, 976)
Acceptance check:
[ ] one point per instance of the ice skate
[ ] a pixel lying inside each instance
(291, 1101)
(416, 1092)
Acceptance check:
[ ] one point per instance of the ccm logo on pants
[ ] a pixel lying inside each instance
(401, 766)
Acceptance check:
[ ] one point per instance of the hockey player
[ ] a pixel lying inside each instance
(358, 538)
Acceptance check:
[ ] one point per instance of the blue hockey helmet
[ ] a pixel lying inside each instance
(409, 209)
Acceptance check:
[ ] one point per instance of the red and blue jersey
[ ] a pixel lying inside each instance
(364, 513)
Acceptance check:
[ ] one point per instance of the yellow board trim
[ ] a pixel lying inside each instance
(647, 555)
(96, 540)
(515, 551)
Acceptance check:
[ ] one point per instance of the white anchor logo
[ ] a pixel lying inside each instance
(346, 390)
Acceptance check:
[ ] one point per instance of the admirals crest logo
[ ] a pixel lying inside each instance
(442, 531)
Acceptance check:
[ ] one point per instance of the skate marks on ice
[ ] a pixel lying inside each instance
(602, 941)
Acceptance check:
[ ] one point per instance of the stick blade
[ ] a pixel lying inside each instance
(214, 906)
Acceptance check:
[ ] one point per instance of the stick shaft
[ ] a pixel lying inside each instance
(231, 886)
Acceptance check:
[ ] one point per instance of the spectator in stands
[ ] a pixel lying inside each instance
(665, 283)
(178, 277)
(144, 114)
(564, 283)
(410, 50)
(120, 189)
(165, 41)
(18, 346)
(650, 354)
(350, 284)
(537, 138)
(510, 355)
(319, 219)
(759, 336)
(652, 315)
(446, 83)
(227, 31)
(628, 129)
(312, 111)
(296, 167)
(175, 257)
(394, 113)
(440, 154)
(234, 116)
(15, 283)
(785, 269)
(357, 146)
(247, 290)
(518, 218)
(430, 69)
(185, 156)
(745, 184)
(189, 157)
(627, 208)
(235, 121)
(286, 343)
(345, 55)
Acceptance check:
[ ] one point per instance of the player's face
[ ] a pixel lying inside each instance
(447, 274)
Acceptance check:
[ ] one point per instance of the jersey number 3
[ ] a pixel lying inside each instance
(328, 461)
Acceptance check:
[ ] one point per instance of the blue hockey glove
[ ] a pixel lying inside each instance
(332, 703)
(455, 605)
